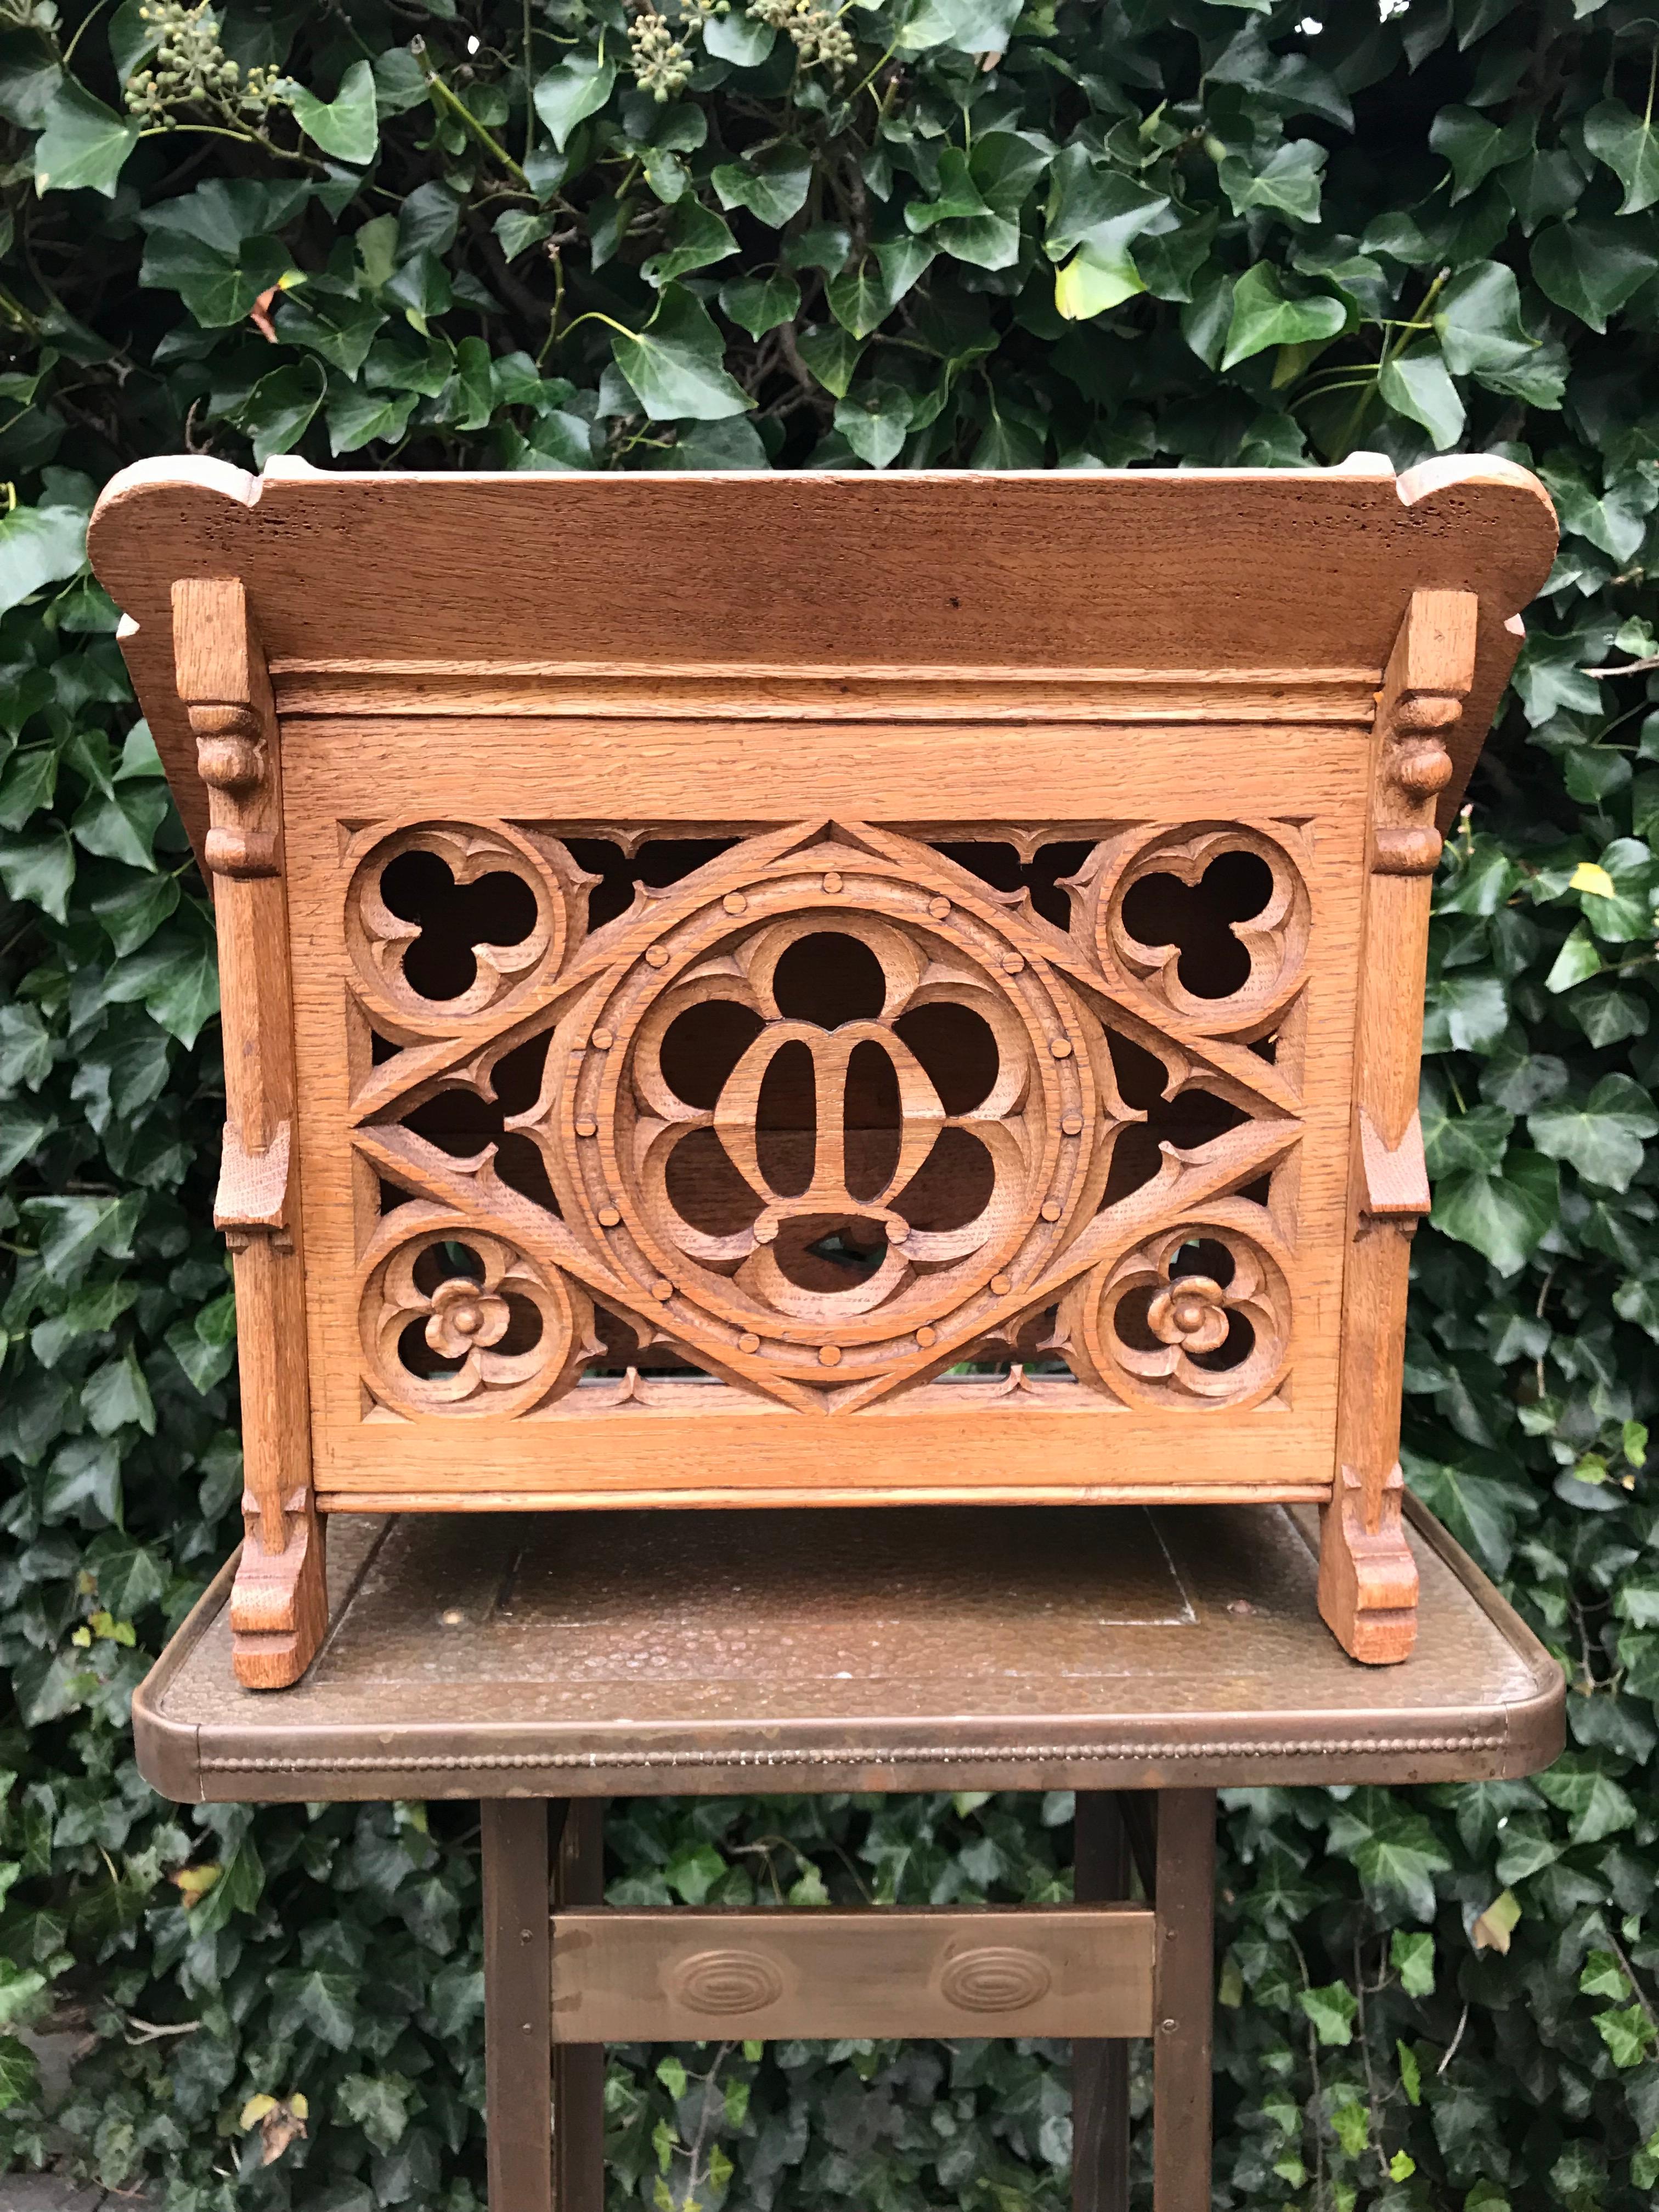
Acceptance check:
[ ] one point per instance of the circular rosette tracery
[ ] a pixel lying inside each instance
(448, 920)
(1199, 1316)
(457, 1321)
(1212, 919)
(817, 1130)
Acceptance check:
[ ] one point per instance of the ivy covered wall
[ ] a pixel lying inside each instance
(559, 233)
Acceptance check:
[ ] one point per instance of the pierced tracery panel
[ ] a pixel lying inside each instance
(827, 1112)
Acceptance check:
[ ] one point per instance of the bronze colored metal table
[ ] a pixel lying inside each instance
(1143, 1657)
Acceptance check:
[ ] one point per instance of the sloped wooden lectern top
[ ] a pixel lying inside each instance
(820, 989)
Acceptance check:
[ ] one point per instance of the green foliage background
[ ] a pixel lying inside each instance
(922, 232)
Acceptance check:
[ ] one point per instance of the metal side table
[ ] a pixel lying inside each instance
(1145, 1658)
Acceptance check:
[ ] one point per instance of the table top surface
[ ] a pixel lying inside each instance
(906, 1648)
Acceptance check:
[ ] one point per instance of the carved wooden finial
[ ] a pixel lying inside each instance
(1429, 676)
(221, 680)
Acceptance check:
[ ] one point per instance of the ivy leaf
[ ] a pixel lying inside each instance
(759, 304)
(1094, 213)
(380, 2104)
(1476, 1137)
(339, 327)
(72, 1231)
(1411, 1953)
(1504, 1216)
(212, 247)
(970, 27)
(20, 2073)
(696, 237)
(116, 1395)
(1469, 1012)
(675, 365)
(862, 299)
(957, 195)
(1263, 316)
(773, 187)
(26, 787)
(347, 126)
(832, 355)
(1491, 1930)
(1604, 1976)
(1595, 1805)
(517, 229)
(1629, 2034)
(121, 824)
(1590, 269)
(1474, 147)
(875, 422)
(422, 288)
(20, 1987)
(322, 2000)
(1481, 334)
(694, 1871)
(1394, 1849)
(84, 145)
(739, 37)
(358, 417)
(1416, 384)
(1289, 180)
(39, 545)
(1578, 959)
(1629, 147)
(39, 866)
(566, 96)
(278, 411)
(1332, 2010)
(128, 1576)
(400, 82)
(1480, 1512)
(177, 981)
(1603, 1136)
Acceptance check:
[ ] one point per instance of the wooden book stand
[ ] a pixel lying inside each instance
(830, 989)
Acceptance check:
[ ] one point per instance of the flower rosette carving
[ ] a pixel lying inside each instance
(456, 1320)
(1198, 1316)
(693, 1197)
(1234, 891)
(447, 920)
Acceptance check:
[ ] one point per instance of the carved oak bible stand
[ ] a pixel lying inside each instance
(823, 989)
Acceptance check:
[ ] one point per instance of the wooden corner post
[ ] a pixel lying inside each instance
(1367, 1575)
(279, 1606)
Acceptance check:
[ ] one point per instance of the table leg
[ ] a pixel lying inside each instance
(579, 2067)
(518, 2005)
(1184, 2002)
(1100, 2069)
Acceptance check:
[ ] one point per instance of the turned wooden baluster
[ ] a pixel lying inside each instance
(279, 1606)
(1367, 1575)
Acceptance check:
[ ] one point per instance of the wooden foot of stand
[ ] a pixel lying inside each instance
(279, 1602)
(1367, 1576)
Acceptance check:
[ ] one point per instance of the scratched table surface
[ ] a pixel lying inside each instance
(902, 1647)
